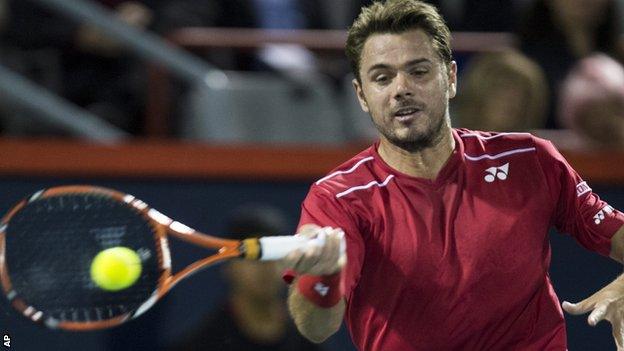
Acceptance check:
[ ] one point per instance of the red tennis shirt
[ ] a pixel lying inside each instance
(460, 262)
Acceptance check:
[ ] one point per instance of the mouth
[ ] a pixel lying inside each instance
(407, 114)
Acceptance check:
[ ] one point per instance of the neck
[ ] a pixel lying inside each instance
(425, 163)
(259, 320)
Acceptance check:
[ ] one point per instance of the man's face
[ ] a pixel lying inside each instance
(405, 87)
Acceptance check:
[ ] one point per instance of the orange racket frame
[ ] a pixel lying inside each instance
(162, 226)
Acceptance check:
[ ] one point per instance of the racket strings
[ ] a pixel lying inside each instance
(51, 242)
(90, 314)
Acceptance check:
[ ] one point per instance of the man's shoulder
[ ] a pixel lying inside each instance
(354, 172)
(496, 143)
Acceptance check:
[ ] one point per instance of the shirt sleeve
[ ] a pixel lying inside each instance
(578, 211)
(320, 207)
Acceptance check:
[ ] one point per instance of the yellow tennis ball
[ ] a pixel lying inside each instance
(116, 268)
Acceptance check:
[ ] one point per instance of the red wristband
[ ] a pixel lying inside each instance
(324, 290)
(288, 276)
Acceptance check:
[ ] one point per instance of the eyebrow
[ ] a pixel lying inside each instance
(410, 63)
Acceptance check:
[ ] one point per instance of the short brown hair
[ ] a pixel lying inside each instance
(397, 16)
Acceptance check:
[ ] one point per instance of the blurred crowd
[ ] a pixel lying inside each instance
(563, 77)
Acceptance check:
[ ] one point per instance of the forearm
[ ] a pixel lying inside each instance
(617, 246)
(314, 322)
(315, 300)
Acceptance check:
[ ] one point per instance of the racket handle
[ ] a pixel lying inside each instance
(278, 247)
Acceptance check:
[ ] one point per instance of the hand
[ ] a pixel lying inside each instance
(608, 304)
(324, 259)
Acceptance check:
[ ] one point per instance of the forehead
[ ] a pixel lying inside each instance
(397, 48)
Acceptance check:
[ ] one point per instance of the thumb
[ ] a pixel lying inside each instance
(578, 308)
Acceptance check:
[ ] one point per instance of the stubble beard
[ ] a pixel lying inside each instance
(415, 141)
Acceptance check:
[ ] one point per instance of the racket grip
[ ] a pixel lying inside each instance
(278, 247)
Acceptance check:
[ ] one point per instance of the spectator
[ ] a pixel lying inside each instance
(253, 316)
(592, 102)
(502, 91)
(557, 33)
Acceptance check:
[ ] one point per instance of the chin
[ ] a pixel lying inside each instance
(411, 134)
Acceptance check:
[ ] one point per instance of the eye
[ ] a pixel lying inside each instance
(381, 79)
(419, 72)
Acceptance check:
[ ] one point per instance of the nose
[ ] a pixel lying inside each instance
(403, 89)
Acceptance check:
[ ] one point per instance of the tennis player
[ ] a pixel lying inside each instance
(446, 229)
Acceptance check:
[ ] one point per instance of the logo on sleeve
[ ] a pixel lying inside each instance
(321, 288)
(497, 172)
(600, 216)
(582, 188)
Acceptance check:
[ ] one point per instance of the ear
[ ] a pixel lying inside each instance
(360, 95)
(452, 77)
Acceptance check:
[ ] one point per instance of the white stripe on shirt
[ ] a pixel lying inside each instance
(492, 136)
(502, 154)
(361, 187)
(366, 159)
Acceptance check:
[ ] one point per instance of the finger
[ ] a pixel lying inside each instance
(308, 260)
(339, 255)
(321, 259)
(308, 230)
(291, 260)
(329, 255)
(341, 243)
(598, 314)
(579, 307)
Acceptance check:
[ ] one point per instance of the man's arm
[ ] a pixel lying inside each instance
(617, 245)
(314, 322)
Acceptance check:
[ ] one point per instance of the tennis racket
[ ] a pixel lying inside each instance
(49, 239)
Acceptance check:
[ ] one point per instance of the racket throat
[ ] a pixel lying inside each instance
(250, 249)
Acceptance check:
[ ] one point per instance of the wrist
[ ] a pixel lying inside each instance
(324, 291)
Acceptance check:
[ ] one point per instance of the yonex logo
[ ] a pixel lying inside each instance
(321, 288)
(600, 216)
(497, 172)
